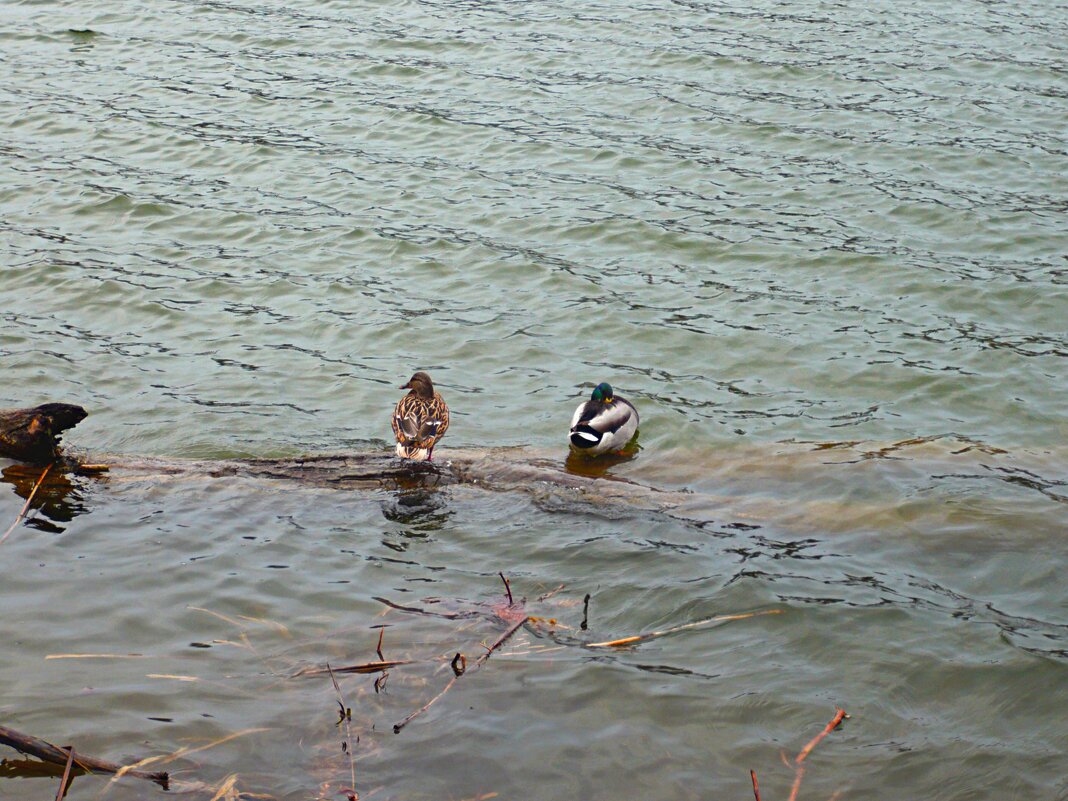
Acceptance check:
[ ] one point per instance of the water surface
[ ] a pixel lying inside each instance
(821, 247)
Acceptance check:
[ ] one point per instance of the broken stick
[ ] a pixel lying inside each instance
(44, 750)
(478, 663)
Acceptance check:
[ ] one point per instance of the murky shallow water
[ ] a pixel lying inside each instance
(822, 249)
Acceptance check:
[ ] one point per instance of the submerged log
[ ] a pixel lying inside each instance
(33, 435)
(497, 469)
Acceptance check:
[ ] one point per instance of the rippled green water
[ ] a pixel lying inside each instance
(821, 247)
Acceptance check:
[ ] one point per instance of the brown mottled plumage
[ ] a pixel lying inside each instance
(420, 419)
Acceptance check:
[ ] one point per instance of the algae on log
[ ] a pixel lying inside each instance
(33, 435)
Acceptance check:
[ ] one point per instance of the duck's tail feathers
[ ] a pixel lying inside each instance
(583, 436)
(412, 452)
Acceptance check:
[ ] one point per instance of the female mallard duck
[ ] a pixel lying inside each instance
(606, 422)
(420, 419)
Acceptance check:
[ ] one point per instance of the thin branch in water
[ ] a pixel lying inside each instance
(33, 493)
(226, 789)
(398, 726)
(95, 656)
(378, 649)
(346, 718)
(281, 628)
(479, 662)
(63, 783)
(417, 610)
(840, 715)
(187, 750)
(366, 667)
(652, 635)
(508, 588)
(547, 595)
(585, 612)
(756, 790)
(799, 769)
(501, 641)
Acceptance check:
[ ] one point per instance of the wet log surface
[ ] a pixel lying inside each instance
(33, 435)
(498, 469)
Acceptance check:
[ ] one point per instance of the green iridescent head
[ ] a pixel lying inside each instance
(602, 393)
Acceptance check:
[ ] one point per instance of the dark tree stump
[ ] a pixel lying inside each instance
(33, 435)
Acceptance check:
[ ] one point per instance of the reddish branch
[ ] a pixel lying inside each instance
(799, 767)
(838, 718)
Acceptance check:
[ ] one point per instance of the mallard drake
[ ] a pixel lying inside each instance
(420, 419)
(606, 422)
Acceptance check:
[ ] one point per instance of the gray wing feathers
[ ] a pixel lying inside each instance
(613, 417)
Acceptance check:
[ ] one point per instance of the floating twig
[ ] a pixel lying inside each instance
(63, 785)
(398, 726)
(419, 611)
(756, 790)
(799, 768)
(478, 663)
(840, 715)
(94, 656)
(585, 612)
(44, 750)
(29, 500)
(652, 635)
(508, 588)
(378, 648)
(92, 468)
(547, 595)
(366, 667)
(346, 718)
(181, 753)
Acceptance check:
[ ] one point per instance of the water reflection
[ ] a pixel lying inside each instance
(598, 467)
(418, 512)
(58, 499)
(423, 510)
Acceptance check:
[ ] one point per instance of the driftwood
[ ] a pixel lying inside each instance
(33, 435)
(44, 750)
(493, 469)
